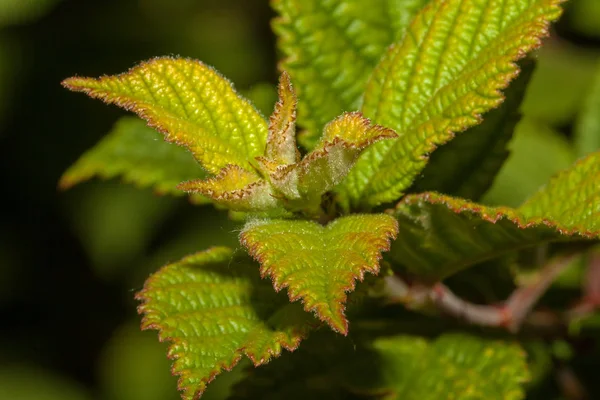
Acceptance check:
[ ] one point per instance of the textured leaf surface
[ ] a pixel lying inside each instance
(461, 366)
(441, 235)
(236, 189)
(587, 128)
(322, 169)
(139, 155)
(213, 308)
(192, 104)
(331, 47)
(281, 141)
(449, 69)
(467, 166)
(317, 264)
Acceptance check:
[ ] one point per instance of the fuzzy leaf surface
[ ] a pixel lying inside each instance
(137, 154)
(467, 165)
(322, 169)
(331, 47)
(236, 189)
(319, 265)
(468, 367)
(449, 69)
(213, 308)
(441, 235)
(192, 104)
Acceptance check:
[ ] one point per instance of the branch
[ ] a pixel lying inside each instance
(510, 315)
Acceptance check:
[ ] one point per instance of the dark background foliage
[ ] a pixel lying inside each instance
(70, 262)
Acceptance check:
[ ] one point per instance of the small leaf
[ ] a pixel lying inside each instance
(213, 308)
(331, 48)
(448, 70)
(139, 155)
(466, 166)
(587, 127)
(320, 264)
(322, 169)
(441, 235)
(192, 104)
(281, 141)
(236, 189)
(467, 367)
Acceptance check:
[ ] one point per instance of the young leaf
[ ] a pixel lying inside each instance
(322, 169)
(332, 47)
(192, 104)
(236, 189)
(466, 166)
(213, 308)
(463, 366)
(281, 142)
(317, 264)
(139, 155)
(449, 69)
(441, 235)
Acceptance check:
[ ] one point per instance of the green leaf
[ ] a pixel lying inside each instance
(587, 127)
(281, 141)
(317, 264)
(213, 308)
(537, 153)
(441, 235)
(236, 189)
(331, 48)
(322, 169)
(449, 69)
(466, 166)
(139, 155)
(465, 367)
(192, 104)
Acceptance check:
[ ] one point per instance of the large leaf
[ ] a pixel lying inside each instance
(587, 128)
(461, 366)
(139, 155)
(466, 167)
(214, 308)
(441, 235)
(454, 60)
(331, 47)
(317, 264)
(192, 104)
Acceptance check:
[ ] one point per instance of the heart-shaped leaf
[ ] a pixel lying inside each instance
(318, 264)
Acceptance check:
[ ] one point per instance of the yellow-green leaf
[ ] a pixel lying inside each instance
(441, 235)
(213, 308)
(466, 166)
(449, 69)
(236, 189)
(318, 264)
(139, 155)
(192, 104)
(281, 141)
(322, 169)
(331, 47)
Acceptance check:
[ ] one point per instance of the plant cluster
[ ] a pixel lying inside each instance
(366, 213)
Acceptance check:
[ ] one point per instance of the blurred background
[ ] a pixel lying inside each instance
(70, 262)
